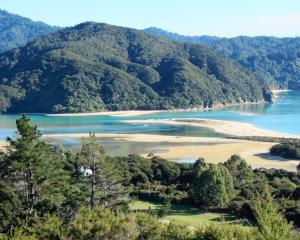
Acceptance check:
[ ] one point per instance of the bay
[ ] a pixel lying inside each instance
(282, 116)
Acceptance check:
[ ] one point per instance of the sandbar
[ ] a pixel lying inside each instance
(115, 113)
(220, 126)
(213, 150)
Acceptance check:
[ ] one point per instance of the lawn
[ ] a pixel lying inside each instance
(185, 214)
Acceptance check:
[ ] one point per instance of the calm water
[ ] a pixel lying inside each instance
(282, 116)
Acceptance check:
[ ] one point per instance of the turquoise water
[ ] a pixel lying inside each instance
(282, 116)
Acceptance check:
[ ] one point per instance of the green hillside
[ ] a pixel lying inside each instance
(274, 61)
(95, 67)
(16, 30)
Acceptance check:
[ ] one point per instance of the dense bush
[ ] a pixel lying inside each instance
(274, 61)
(213, 187)
(95, 67)
(287, 149)
(16, 30)
(49, 193)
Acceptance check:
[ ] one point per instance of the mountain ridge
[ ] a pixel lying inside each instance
(16, 30)
(274, 61)
(96, 67)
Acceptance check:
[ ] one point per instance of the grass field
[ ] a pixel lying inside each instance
(187, 215)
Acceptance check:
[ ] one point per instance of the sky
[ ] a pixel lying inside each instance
(225, 18)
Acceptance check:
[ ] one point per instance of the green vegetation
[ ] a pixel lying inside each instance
(16, 30)
(264, 139)
(51, 193)
(95, 67)
(287, 149)
(185, 214)
(274, 61)
(213, 186)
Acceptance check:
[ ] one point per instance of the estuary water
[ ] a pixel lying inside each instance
(282, 116)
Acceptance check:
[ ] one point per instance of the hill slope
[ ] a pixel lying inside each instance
(16, 30)
(92, 67)
(274, 61)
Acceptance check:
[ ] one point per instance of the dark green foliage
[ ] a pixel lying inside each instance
(33, 171)
(96, 175)
(95, 67)
(10, 208)
(240, 171)
(152, 178)
(43, 193)
(274, 61)
(272, 225)
(16, 30)
(287, 149)
(138, 170)
(213, 187)
(291, 210)
(102, 223)
(105, 224)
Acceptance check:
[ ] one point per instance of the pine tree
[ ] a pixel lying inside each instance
(102, 185)
(33, 170)
(272, 225)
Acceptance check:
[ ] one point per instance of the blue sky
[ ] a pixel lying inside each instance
(190, 17)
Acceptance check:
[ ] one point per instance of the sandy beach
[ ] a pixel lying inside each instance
(3, 144)
(116, 113)
(213, 150)
(277, 92)
(221, 126)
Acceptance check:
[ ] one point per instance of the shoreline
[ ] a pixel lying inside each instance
(220, 126)
(187, 149)
(130, 113)
(213, 150)
(276, 93)
(133, 113)
(3, 144)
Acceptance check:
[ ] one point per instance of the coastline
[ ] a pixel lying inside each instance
(221, 126)
(3, 144)
(213, 150)
(130, 113)
(133, 113)
(277, 92)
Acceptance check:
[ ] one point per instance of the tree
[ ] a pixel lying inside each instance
(32, 169)
(10, 208)
(240, 171)
(101, 184)
(199, 166)
(102, 223)
(214, 187)
(272, 225)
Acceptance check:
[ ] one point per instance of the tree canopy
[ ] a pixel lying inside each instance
(95, 67)
(274, 61)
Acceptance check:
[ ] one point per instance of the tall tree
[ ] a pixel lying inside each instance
(214, 187)
(96, 172)
(272, 225)
(33, 170)
(240, 171)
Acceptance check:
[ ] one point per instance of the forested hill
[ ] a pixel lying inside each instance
(16, 30)
(274, 61)
(94, 67)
